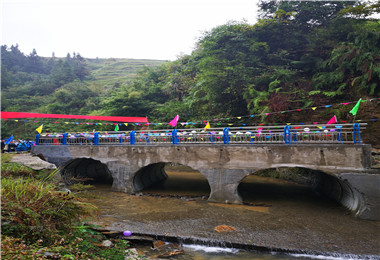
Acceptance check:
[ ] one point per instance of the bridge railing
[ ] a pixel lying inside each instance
(285, 134)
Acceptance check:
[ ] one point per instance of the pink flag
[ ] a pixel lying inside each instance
(174, 121)
(332, 120)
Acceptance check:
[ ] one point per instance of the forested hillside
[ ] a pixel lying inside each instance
(70, 85)
(299, 55)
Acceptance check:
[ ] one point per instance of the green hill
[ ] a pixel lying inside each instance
(275, 71)
(108, 72)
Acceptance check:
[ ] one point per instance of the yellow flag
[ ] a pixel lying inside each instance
(207, 126)
(126, 124)
(39, 129)
(314, 108)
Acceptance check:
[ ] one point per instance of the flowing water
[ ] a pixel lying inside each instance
(279, 220)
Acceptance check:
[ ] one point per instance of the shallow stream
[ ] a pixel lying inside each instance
(280, 220)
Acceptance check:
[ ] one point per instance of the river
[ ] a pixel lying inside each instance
(279, 220)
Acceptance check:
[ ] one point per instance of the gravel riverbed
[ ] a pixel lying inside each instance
(280, 215)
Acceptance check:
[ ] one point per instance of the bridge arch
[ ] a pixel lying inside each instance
(341, 191)
(149, 175)
(319, 182)
(176, 178)
(85, 170)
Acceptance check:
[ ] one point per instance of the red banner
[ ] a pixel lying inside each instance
(8, 115)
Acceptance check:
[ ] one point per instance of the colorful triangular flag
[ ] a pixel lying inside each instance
(355, 109)
(116, 128)
(333, 120)
(174, 122)
(39, 129)
(9, 140)
(207, 126)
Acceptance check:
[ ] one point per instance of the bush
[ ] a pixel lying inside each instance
(82, 243)
(14, 169)
(33, 210)
(37, 221)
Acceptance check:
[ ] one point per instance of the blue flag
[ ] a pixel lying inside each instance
(9, 140)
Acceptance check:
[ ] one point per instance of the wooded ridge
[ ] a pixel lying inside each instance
(298, 55)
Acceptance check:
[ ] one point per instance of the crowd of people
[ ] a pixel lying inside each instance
(8, 146)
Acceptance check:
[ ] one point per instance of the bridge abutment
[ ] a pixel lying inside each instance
(365, 188)
(358, 192)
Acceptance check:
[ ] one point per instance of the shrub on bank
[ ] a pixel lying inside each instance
(39, 222)
(13, 169)
(33, 210)
(81, 243)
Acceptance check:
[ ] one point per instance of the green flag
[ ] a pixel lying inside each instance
(355, 109)
(117, 127)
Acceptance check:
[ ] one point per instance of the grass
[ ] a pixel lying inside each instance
(8, 168)
(81, 187)
(108, 72)
(39, 222)
(6, 158)
(33, 210)
(81, 243)
(14, 169)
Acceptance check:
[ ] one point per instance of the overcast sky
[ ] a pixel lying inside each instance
(140, 29)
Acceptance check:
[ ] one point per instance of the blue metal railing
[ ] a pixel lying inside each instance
(288, 134)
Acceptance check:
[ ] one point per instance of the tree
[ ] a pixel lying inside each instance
(352, 65)
(362, 9)
(71, 98)
(62, 73)
(226, 59)
(34, 63)
(306, 14)
(140, 97)
(80, 67)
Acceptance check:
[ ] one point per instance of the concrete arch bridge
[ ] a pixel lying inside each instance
(345, 169)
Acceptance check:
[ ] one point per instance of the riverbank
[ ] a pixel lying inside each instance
(281, 216)
(40, 220)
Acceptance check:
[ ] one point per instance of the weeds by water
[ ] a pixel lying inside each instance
(81, 187)
(38, 221)
(33, 210)
(81, 243)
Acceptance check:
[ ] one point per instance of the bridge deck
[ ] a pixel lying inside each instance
(288, 134)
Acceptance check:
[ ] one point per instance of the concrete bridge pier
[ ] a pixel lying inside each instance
(122, 176)
(224, 184)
